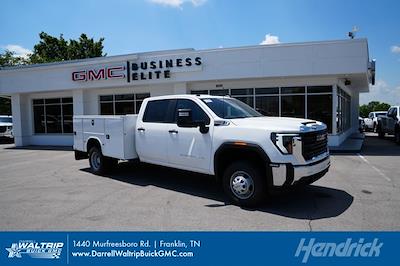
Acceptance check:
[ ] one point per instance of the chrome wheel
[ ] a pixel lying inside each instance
(242, 185)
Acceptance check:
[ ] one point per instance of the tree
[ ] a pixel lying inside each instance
(53, 49)
(373, 106)
(8, 58)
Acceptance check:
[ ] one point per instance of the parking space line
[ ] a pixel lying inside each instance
(375, 168)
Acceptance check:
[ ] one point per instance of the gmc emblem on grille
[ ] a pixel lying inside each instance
(321, 137)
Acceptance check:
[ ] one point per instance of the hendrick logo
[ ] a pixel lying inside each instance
(36, 250)
(348, 248)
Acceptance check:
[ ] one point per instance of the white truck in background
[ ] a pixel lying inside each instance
(6, 126)
(249, 153)
(371, 122)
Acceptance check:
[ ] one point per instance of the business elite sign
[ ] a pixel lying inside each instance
(36, 250)
(135, 71)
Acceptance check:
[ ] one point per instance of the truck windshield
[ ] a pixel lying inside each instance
(230, 108)
(6, 119)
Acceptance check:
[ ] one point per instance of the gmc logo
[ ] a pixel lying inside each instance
(321, 137)
(116, 72)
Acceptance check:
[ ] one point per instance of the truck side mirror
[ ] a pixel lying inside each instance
(185, 118)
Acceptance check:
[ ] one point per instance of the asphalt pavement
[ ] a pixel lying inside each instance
(46, 189)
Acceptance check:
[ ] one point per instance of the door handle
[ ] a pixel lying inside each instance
(141, 129)
(173, 131)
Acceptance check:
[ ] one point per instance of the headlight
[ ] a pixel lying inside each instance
(284, 142)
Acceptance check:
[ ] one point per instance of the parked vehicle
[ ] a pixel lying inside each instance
(6, 126)
(371, 121)
(390, 124)
(249, 153)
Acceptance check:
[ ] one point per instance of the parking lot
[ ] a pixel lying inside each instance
(42, 189)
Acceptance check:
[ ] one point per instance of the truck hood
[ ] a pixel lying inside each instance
(278, 124)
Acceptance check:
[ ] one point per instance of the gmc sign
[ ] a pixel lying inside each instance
(115, 72)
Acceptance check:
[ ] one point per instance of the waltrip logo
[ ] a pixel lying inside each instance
(36, 250)
(349, 248)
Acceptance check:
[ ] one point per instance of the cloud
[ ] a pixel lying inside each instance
(178, 3)
(382, 92)
(18, 50)
(395, 49)
(270, 39)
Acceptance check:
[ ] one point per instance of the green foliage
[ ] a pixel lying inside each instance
(8, 58)
(373, 106)
(53, 49)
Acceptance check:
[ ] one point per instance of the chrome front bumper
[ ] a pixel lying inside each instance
(288, 174)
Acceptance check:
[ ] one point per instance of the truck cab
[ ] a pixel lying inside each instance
(250, 154)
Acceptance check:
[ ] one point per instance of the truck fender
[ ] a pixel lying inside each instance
(93, 141)
(229, 148)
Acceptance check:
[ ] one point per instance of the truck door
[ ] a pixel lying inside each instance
(152, 131)
(188, 148)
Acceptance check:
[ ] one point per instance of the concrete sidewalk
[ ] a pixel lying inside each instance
(351, 145)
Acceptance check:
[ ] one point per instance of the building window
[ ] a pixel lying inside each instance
(293, 102)
(53, 116)
(121, 104)
(319, 104)
(343, 112)
(312, 102)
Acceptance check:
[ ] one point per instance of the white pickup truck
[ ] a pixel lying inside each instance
(371, 122)
(249, 153)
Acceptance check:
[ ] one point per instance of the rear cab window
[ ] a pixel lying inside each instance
(160, 111)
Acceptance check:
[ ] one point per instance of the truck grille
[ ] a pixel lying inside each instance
(314, 144)
(3, 129)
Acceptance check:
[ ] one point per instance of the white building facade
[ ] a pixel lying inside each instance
(315, 80)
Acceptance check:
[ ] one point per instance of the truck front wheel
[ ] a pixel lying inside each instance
(244, 183)
(100, 164)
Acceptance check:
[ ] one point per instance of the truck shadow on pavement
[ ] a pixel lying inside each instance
(311, 202)
(375, 146)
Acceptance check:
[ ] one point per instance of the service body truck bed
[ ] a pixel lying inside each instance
(116, 134)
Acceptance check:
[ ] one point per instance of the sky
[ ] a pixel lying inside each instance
(130, 26)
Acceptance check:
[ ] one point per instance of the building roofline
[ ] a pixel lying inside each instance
(134, 56)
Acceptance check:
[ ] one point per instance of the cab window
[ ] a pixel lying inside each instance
(159, 111)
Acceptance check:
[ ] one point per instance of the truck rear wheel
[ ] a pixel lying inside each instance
(397, 136)
(100, 164)
(381, 134)
(244, 183)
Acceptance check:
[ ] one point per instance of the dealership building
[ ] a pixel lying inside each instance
(315, 80)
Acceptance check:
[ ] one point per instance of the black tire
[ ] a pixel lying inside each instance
(100, 164)
(397, 136)
(381, 134)
(246, 173)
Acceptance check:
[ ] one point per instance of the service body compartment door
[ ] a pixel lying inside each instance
(78, 134)
(93, 127)
(114, 138)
